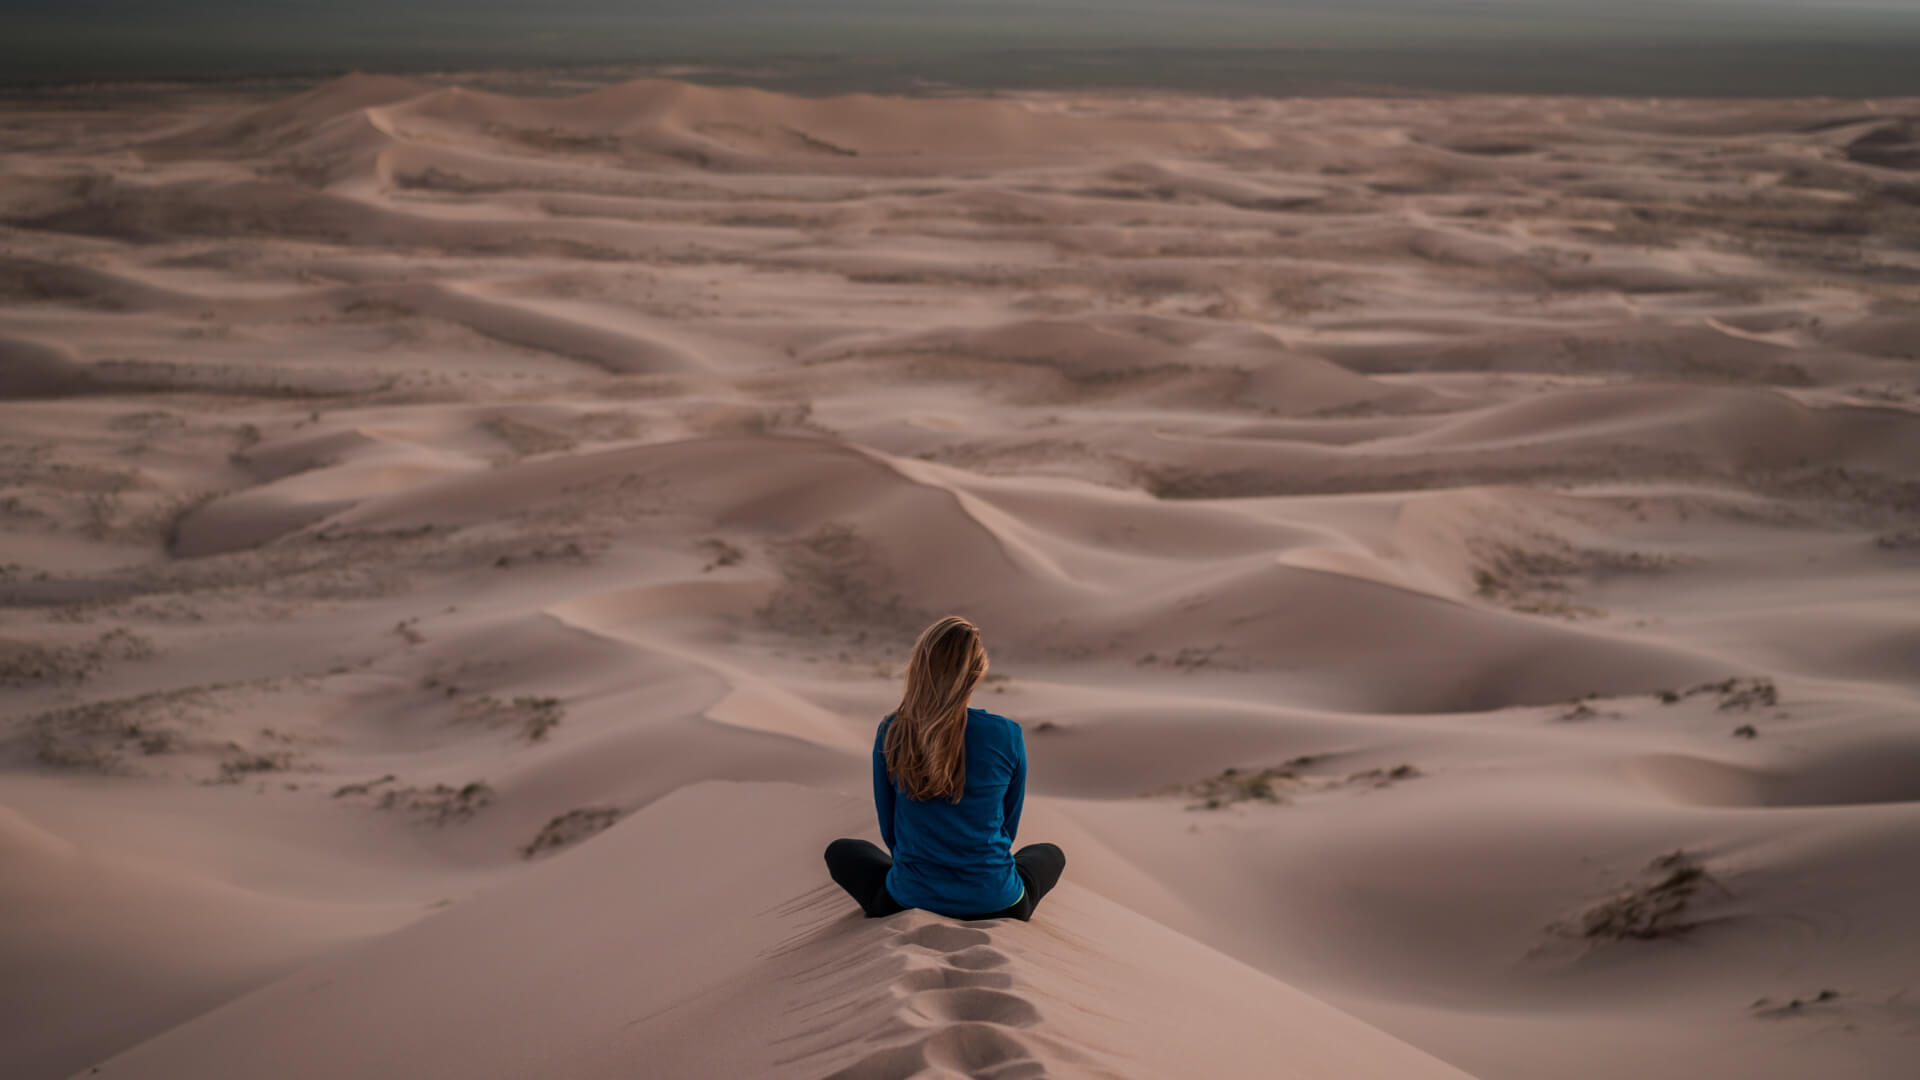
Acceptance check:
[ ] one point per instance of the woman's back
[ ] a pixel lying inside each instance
(948, 784)
(957, 857)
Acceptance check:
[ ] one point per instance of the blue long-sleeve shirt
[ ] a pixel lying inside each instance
(957, 858)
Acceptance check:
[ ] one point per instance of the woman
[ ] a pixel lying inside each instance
(948, 782)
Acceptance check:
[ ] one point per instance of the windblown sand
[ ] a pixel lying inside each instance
(1454, 561)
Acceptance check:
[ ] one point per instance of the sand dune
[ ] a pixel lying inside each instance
(1453, 561)
(78, 957)
(265, 129)
(567, 982)
(359, 117)
(35, 369)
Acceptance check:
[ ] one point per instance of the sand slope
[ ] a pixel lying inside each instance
(71, 922)
(554, 975)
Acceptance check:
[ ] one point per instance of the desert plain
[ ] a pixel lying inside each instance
(1455, 559)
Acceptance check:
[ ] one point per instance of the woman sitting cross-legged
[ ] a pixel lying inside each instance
(948, 782)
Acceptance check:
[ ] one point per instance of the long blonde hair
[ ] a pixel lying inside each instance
(926, 743)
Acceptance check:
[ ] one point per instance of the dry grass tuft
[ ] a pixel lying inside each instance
(363, 788)
(247, 763)
(536, 717)
(27, 664)
(1655, 909)
(441, 804)
(719, 553)
(571, 828)
(1273, 784)
(1744, 694)
(1384, 777)
(104, 737)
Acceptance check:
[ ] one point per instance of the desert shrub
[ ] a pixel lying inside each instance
(571, 828)
(1660, 907)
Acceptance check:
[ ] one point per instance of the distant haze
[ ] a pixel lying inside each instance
(1752, 46)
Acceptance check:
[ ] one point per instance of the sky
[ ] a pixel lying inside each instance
(54, 40)
(1279, 15)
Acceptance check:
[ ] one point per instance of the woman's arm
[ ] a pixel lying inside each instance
(1016, 787)
(882, 786)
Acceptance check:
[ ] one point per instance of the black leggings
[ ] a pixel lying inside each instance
(861, 868)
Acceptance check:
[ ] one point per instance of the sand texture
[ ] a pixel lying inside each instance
(1456, 562)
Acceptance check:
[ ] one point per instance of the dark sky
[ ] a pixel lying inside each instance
(1838, 46)
(1275, 13)
(1145, 20)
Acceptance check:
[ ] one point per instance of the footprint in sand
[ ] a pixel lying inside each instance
(965, 1018)
(942, 938)
(951, 978)
(973, 1004)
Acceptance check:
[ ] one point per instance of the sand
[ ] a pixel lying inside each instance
(1454, 560)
